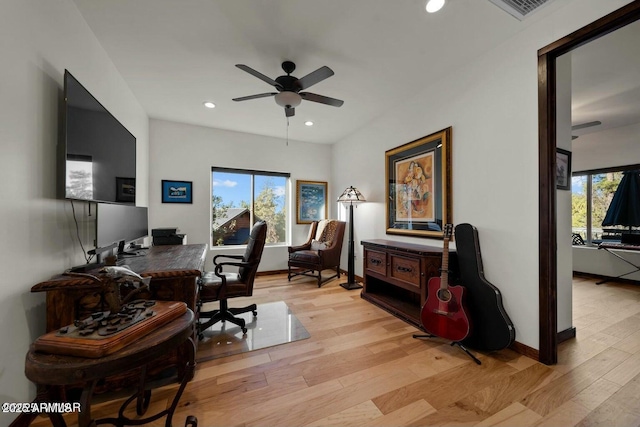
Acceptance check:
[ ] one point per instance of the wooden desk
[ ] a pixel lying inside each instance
(48, 371)
(396, 276)
(174, 272)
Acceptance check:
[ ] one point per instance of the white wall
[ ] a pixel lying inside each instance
(186, 153)
(38, 40)
(492, 105)
(598, 261)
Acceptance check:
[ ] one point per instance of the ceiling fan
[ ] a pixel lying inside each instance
(584, 125)
(289, 87)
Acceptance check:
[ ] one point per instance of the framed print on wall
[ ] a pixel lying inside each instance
(125, 190)
(563, 169)
(418, 186)
(311, 201)
(177, 191)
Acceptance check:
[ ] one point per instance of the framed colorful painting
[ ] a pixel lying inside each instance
(418, 189)
(311, 201)
(177, 191)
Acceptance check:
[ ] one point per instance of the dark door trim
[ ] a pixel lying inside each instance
(548, 310)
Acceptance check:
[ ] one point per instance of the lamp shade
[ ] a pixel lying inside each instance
(351, 196)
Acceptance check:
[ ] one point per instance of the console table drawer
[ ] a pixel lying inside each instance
(406, 270)
(376, 262)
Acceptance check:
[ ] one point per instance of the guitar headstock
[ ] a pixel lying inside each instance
(447, 231)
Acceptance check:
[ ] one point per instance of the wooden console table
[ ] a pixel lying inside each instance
(174, 271)
(396, 276)
(49, 371)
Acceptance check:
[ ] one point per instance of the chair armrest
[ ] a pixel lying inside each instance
(219, 266)
(225, 256)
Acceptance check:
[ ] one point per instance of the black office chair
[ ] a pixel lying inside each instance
(220, 286)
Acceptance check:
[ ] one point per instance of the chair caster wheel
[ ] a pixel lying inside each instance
(255, 313)
(244, 331)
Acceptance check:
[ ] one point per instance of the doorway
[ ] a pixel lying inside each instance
(547, 229)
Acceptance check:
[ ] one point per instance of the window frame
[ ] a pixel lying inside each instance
(589, 173)
(252, 173)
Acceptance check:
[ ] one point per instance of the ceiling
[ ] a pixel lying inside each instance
(175, 55)
(605, 81)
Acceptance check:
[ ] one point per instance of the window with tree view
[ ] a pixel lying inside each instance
(239, 198)
(591, 195)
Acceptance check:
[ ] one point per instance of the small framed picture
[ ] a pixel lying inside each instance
(125, 190)
(177, 191)
(311, 201)
(563, 169)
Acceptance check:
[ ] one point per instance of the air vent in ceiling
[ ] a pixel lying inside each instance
(519, 8)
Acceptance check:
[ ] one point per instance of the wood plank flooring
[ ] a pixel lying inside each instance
(361, 367)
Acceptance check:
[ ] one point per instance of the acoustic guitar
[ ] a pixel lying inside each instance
(492, 327)
(444, 314)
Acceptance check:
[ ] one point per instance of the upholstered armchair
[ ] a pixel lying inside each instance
(220, 285)
(320, 252)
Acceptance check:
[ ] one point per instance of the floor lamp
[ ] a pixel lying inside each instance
(351, 196)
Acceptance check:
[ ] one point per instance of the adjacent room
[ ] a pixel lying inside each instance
(353, 212)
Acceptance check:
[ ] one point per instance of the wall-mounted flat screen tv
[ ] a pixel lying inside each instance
(99, 158)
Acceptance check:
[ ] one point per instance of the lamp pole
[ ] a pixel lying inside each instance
(351, 282)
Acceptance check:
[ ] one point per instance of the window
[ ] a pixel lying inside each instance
(239, 198)
(591, 195)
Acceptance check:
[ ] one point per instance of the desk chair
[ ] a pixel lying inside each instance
(220, 286)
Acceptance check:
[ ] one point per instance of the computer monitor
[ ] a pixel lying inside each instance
(117, 225)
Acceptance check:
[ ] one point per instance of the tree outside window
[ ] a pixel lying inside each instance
(591, 195)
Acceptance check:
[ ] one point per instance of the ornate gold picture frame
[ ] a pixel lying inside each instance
(418, 189)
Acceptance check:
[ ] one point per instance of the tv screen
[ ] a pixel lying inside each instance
(117, 222)
(99, 158)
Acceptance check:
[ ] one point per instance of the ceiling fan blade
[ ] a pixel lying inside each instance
(259, 75)
(260, 95)
(586, 125)
(289, 112)
(315, 77)
(321, 99)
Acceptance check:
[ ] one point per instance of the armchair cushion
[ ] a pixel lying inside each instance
(307, 257)
(317, 245)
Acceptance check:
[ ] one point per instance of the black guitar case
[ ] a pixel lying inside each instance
(492, 328)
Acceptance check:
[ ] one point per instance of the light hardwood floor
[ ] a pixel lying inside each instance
(361, 367)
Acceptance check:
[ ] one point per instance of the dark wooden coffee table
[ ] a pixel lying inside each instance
(50, 371)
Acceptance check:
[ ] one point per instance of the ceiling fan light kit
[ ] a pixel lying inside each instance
(289, 87)
(434, 5)
(288, 99)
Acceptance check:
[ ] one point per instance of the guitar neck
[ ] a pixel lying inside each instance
(444, 272)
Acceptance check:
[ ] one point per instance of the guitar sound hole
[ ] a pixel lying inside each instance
(444, 295)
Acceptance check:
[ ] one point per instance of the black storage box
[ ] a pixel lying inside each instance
(163, 232)
(166, 236)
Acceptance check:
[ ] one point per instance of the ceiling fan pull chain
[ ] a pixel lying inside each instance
(287, 131)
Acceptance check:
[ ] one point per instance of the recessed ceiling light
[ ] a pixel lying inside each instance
(209, 104)
(434, 5)
(308, 123)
